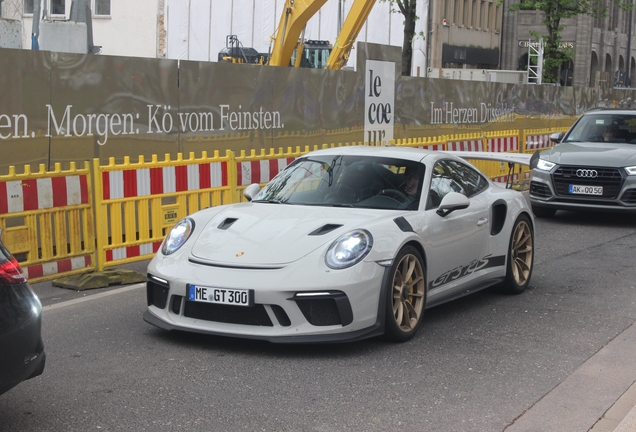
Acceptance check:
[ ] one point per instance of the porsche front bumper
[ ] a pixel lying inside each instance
(292, 304)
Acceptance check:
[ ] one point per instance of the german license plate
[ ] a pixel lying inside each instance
(234, 297)
(586, 190)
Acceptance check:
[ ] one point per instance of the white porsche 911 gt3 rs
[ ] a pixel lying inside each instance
(344, 244)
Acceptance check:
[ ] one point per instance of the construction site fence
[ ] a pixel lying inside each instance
(62, 222)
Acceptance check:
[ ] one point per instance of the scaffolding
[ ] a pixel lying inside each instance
(535, 62)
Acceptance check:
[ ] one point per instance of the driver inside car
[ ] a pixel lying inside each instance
(411, 186)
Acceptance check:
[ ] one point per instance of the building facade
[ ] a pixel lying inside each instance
(599, 45)
(465, 34)
(120, 27)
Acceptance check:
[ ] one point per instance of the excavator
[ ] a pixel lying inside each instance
(289, 47)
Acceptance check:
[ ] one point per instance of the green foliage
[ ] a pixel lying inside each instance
(554, 11)
(406, 8)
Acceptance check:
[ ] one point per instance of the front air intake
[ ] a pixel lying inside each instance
(157, 292)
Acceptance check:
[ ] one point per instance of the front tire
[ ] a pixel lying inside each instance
(520, 257)
(406, 295)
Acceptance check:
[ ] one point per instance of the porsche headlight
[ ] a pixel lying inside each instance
(349, 249)
(179, 234)
(544, 165)
(631, 170)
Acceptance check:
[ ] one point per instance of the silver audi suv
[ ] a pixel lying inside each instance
(592, 167)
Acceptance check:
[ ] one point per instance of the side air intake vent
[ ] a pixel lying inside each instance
(325, 229)
(226, 223)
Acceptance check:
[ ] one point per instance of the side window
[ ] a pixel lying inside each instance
(28, 7)
(58, 7)
(102, 7)
(452, 176)
(471, 181)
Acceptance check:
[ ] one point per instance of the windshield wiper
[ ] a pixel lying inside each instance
(339, 205)
(269, 201)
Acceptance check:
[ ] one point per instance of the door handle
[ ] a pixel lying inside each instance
(482, 221)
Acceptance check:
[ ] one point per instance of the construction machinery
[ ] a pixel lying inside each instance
(235, 52)
(289, 47)
(288, 39)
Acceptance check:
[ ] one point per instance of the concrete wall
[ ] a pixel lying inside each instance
(10, 33)
(63, 36)
(130, 30)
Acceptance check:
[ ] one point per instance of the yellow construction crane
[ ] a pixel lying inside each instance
(289, 43)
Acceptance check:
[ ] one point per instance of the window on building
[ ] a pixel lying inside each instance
(58, 7)
(484, 15)
(448, 10)
(466, 20)
(102, 7)
(28, 7)
(458, 15)
(498, 17)
(474, 22)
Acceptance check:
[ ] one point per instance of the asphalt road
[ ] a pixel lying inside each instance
(488, 362)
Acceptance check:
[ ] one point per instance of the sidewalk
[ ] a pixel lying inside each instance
(621, 417)
(599, 396)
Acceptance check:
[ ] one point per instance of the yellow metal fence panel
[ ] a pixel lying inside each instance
(47, 220)
(137, 203)
(427, 143)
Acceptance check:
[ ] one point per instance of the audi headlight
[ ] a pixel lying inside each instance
(544, 165)
(631, 170)
(178, 235)
(349, 249)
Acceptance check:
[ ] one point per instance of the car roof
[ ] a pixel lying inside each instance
(610, 111)
(408, 153)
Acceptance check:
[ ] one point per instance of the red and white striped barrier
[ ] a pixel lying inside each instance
(43, 193)
(260, 171)
(504, 179)
(162, 180)
(504, 144)
(468, 145)
(132, 251)
(534, 142)
(434, 147)
(56, 267)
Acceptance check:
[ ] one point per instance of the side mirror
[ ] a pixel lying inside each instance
(556, 137)
(251, 191)
(451, 202)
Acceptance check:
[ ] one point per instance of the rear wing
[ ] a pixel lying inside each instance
(511, 159)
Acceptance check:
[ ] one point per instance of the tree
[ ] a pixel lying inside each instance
(554, 12)
(406, 8)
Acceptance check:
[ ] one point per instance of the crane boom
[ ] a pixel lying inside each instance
(356, 18)
(295, 15)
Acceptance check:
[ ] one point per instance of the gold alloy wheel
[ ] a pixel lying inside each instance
(521, 253)
(408, 293)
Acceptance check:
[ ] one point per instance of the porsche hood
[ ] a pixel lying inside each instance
(263, 234)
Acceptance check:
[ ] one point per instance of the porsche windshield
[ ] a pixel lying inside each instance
(604, 127)
(347, 181)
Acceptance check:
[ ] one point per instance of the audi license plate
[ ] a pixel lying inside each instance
(586, 190)
(234, 297)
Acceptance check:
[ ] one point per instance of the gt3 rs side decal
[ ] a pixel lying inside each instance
(465, 270)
